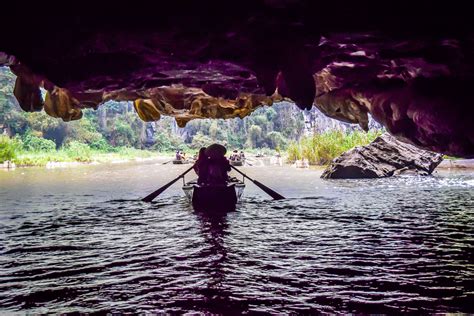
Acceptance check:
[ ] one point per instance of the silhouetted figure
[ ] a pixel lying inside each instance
(242, 155)
(201, 166)
(217, 165)
(217, 171)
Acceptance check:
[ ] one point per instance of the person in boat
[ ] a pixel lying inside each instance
(201, 166)
(217, 165)
(242, 155)
(234, 156)
(178, 155)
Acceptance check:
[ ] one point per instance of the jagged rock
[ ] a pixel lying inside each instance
(384, 157)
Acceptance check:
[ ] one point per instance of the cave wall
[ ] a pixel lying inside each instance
(409, 64)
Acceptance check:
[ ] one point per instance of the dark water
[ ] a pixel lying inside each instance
(75, 240)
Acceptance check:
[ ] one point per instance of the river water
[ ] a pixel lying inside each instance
(79, 240)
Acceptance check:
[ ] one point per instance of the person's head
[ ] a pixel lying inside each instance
(216, 150)
(202, 152)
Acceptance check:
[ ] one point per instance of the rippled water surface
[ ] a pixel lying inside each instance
(78, 240)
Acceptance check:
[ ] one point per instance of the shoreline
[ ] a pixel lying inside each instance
(107, 158)
(114, 158)
(456, 164)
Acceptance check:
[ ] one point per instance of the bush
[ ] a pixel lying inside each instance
(162, 142)
(8, 148)
(101, 145)
(78, 151)
(37, 144)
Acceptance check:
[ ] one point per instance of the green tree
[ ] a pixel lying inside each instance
(254, 136)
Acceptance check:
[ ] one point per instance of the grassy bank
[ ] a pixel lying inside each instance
(321, 149)
(41, 153)
(65, 155)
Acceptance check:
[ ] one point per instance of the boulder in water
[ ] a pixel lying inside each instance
(384, 157)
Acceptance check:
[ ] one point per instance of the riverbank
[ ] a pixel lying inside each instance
(63, 158)
(457, 164)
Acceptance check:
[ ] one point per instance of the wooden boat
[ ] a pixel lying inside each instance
(237, 163)
(180, 161)
(214, 199)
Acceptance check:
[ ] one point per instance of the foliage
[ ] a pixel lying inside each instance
(321, 149)
(78, 151)
(101, 145)
(84, 131)
(276, 140)
(47, 127)
(36, 144)
(8, 148)
(122, 134)
(200, 140)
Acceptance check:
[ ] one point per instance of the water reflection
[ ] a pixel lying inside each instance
(214, 228)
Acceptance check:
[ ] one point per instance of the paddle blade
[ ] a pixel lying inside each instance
(273, 194)
(150, 197)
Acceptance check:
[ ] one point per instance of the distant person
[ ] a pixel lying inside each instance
(178, 155)
(234, 155)
(305, 163)
(242, 155)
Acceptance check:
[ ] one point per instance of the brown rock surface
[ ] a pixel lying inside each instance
(384, 157)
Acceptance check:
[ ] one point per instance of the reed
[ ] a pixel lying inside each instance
(321, 149)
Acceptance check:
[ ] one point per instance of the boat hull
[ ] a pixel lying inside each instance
(180, 162)
(237, 163)
(214, 198)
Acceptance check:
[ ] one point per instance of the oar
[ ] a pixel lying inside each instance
(273, 194)
(150, 197)
(164, 163)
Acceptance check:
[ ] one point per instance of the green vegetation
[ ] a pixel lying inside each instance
(321, 149)
(114, 132)
(40, 151)
(8, 149)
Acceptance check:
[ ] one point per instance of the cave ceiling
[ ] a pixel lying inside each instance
(407, 63)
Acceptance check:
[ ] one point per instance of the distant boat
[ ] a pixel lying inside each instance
(237, 162)
(180, 161)
(301, 163)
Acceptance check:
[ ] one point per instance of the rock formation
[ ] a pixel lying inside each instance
(384, 157)
(410, 64)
